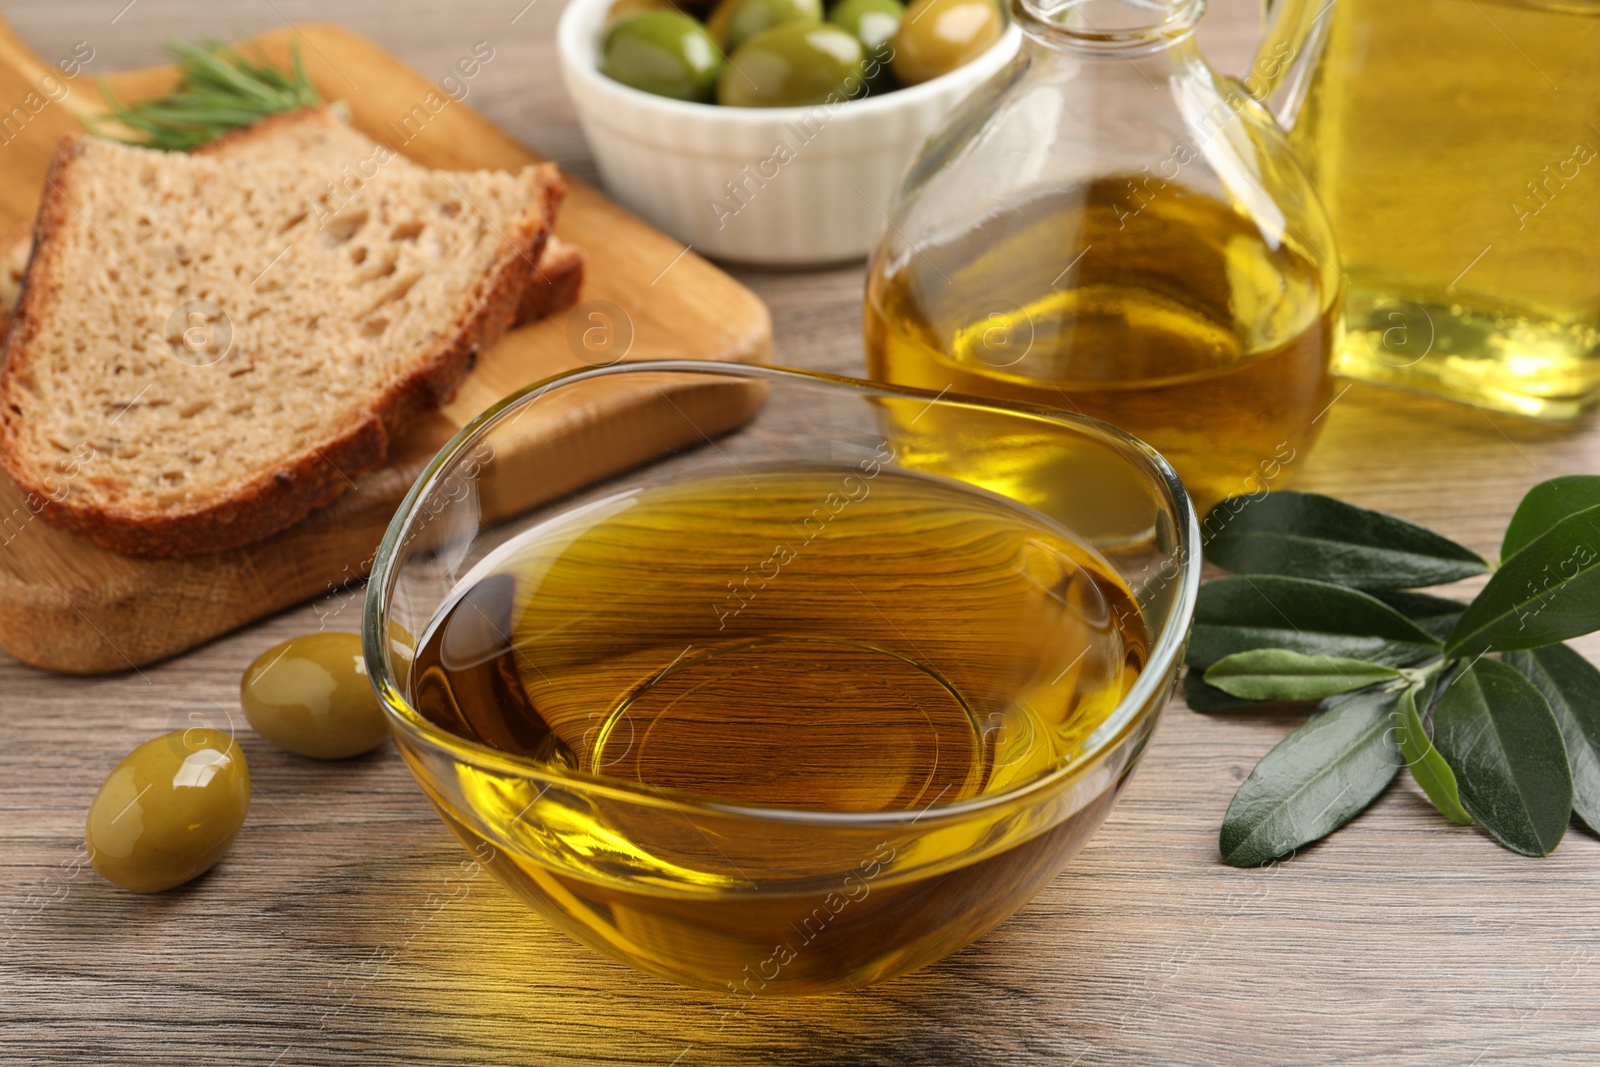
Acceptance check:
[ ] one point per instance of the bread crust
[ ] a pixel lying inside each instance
(314, 477)
(556, 284)
(15, 243)
(219, 146)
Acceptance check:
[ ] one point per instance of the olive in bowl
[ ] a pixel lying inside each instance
(796, 64)
(666, 53)
(872, 22)
(623, 9)
(734, 22)
(938, 36)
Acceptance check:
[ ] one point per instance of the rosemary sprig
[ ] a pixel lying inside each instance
(221, 91)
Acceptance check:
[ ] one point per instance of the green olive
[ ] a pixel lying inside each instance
(740, 20)
(623, 9)
(797, 64)
(938, 36)
(310, 696)
(169, 810)
(874, 22)
(717, 21)
(662, 52)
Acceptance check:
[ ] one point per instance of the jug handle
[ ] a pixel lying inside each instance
(1292, 38)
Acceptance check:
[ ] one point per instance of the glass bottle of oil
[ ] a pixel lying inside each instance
(1456, 144)
(1111, 227)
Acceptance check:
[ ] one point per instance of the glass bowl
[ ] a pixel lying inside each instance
(770, 820)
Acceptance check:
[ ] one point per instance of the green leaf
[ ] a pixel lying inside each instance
(1435, 614)
(1206, 698)
(1500, 737)
(1545, 505)
(1305, 535)
(1547, 592)
(1244, 613)
(1571, 685)
(1279, 674)
(1428, 768)
(1316, 780)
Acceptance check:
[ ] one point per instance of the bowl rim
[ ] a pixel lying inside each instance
(1166, 651)
(579, 56)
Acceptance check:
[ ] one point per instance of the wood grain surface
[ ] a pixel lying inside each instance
(347, 927)
(67, 605)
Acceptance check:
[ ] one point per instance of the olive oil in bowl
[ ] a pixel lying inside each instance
(848, 640)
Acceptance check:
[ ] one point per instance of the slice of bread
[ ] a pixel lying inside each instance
(324, 133)
(320, 134)
(231, 343)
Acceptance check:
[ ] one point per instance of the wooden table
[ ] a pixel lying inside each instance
(339, 929)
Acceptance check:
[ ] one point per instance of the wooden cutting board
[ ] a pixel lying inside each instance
(68, 606)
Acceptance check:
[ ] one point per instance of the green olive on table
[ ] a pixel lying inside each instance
(736, 21)
(873, 22)
(937, 36)
(169, 810)
(797, 64)
(662, 52)
(310, 696)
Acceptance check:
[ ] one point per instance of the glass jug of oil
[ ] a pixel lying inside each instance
(1110, 226)
(1455, 144)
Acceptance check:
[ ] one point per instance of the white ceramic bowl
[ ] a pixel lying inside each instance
(791, 185)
